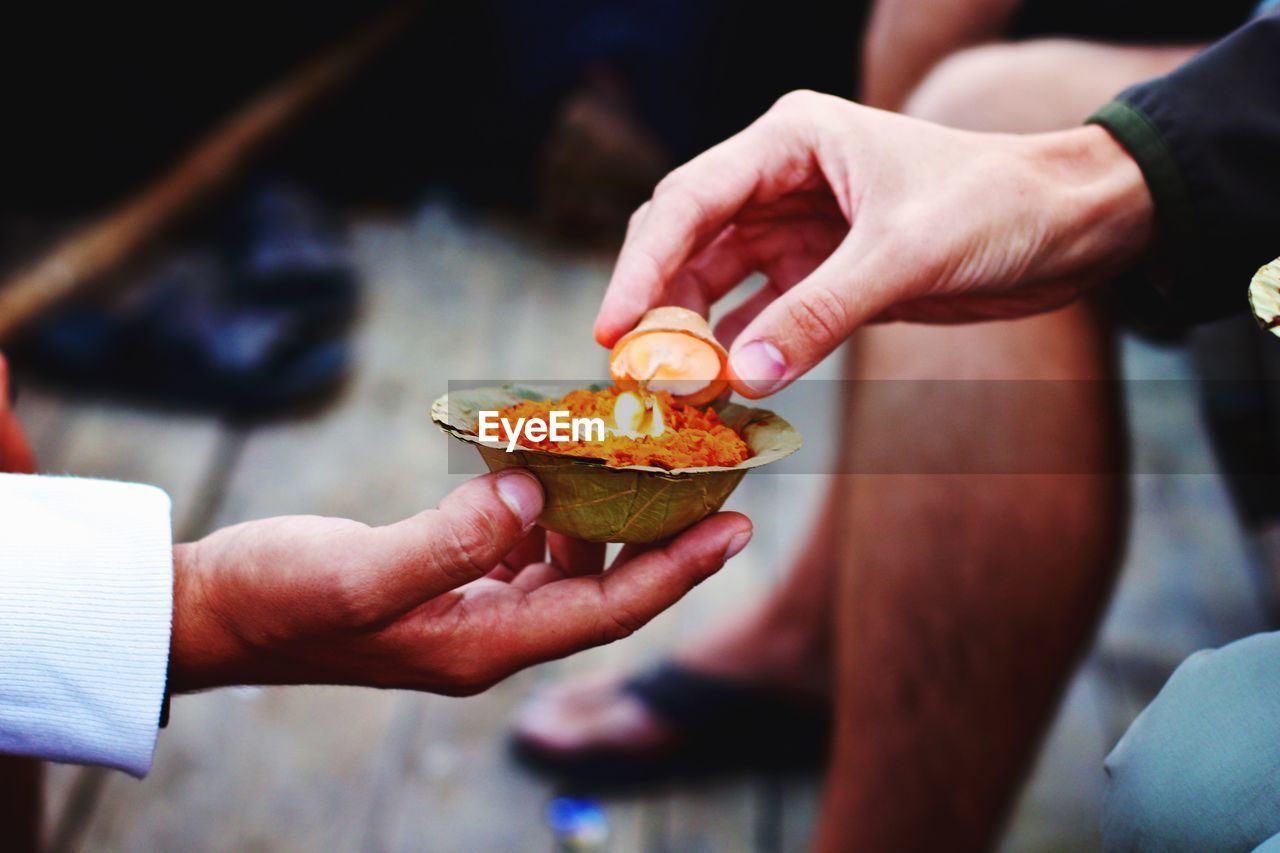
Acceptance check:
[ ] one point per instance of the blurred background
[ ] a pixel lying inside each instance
(246, 245)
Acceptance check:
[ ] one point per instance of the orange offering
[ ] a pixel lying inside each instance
(671, 349)
(641, 468)
(637, 462)
(655, 430)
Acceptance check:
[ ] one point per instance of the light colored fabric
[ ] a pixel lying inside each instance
(86, 598)
(1199, 769)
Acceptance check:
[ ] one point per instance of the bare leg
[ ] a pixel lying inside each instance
(955, 635)
(1035, 86)
(906, 38)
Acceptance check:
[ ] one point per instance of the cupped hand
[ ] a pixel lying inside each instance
(448, 601)
(857, 215)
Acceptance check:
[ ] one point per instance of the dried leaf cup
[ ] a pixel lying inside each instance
(587, 499)
(1264, 297)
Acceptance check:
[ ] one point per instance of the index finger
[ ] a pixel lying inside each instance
(575, 556)
(688, 209)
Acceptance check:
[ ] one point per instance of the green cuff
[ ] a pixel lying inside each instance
(1148, 297)
(1142, 139)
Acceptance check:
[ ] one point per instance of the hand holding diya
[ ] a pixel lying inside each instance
(666, 460)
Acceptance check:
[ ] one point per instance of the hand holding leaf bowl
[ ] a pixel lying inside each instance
(662, 459)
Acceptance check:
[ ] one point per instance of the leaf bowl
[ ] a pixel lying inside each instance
(587, 499)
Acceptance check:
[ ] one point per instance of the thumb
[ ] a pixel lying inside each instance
(805, 324)
(475, 526)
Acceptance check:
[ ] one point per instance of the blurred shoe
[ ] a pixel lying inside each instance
(287, 251)
(671, 722)
(182, 341)
(251, 327)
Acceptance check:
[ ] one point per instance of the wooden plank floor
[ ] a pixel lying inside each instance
(450, 297)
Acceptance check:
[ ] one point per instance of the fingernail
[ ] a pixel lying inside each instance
(523, 493)
(736, 544)
(760, 366)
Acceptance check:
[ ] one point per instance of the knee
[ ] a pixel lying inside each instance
(999, 87)
(1198, 770)
(958, 84)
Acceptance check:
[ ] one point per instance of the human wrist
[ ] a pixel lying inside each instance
(204, 649)
(1100, 204)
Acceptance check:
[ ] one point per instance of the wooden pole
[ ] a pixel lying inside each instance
(85, 258)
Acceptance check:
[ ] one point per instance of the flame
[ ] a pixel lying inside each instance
(638, 414)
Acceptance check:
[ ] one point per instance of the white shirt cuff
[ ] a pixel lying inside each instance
(86, 603)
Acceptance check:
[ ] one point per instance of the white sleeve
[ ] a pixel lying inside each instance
(86, 600)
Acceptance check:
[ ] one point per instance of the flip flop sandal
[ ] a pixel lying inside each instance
(182, 343)
(722, 726)
(289, 251)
